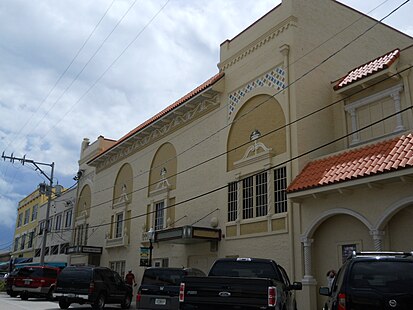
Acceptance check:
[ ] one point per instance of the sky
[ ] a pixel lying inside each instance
(85, 68)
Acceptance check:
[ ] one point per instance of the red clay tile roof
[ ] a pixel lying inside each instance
(168, 109)
(370, 68)
(375, 159)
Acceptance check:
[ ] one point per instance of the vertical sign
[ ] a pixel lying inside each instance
(144, 257)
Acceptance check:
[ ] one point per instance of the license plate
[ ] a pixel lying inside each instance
(26, 282)
(160, 301)
(71, 295)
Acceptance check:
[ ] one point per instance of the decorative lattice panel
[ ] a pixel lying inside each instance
(274, 79)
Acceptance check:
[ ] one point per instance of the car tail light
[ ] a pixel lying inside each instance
(91, 287)
(341, 301)
(182, 292)
(272, 296)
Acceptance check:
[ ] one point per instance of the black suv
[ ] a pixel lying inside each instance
(160, 287)
(372, 280)
(91, 285)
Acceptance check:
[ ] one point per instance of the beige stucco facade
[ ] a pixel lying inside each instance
(221, 160)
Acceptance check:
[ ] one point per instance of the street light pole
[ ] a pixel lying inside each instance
(24, 160)
(151, 237)
(49, 201)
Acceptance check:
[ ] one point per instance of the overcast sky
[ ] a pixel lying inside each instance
(84, 68)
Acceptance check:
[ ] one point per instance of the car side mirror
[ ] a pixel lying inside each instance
(324, 290)
(296, 286)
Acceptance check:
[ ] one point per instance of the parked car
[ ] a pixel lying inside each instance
(159, 287)
(240, 283)
(372, 280)
(3, 276)
(9, 283)
(92, 285)
(35, 281)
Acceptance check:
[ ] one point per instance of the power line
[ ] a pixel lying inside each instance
(61, 75)
(276, 129)
(225, 186)
(406, 1)
(106, 70)
(278, 92)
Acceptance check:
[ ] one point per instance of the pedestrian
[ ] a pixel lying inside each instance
(331, 274)
(130, 279)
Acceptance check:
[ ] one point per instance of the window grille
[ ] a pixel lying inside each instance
(280, 186)
(232, 201)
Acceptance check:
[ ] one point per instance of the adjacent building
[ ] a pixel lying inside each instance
(59, 228)
(26, 225)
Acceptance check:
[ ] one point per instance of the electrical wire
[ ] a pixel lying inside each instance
(273, 96)
(340, 100)
(61, 75)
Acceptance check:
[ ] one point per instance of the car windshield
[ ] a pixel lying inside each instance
(162, 277)
(385, 276)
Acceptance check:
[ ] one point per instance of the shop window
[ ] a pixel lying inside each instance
(119, 225)
(55, 249)
(159, 215)
(30, 242)
(68, 218)
(26, 216)
(23, 242)
(119, 267)
(232, 201)
(20, 220)
(63, 248)
(255, 195)
(16, 243)
(34, 212)
(58, 222)
(280, 186)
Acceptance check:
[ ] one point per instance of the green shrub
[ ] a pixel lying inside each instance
(2, 286)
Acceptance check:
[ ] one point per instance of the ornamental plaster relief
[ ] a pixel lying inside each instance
(180, 119)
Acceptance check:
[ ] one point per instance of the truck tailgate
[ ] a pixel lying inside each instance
(221, 291)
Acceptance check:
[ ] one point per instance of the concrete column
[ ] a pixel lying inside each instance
(397, 107)
(308, 296)
(378, 236)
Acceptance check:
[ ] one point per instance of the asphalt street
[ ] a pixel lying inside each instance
(9, 303)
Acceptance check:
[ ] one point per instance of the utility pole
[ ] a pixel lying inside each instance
(48, 192)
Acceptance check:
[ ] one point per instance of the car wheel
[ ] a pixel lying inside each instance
(24, 296)
(99, 302)
(63, 304)
(12, 293)
(50, 294)
(126, 302)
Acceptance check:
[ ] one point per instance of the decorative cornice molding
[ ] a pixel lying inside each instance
(164, 128)
(261, 41)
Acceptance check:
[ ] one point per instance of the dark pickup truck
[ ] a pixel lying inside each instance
(242, 284)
